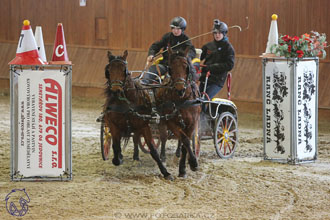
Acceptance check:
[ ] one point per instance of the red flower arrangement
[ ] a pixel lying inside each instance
(308, 45)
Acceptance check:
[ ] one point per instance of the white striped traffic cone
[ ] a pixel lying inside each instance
(273, 34)
(27, 51)
(40, 43)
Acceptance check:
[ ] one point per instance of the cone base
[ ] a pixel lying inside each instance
(60, 62)
(26, 61)
(27, 58)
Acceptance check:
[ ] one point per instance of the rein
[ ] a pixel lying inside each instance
(173, 107)
(153, 114)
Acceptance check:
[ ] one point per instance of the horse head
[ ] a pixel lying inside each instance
(116, 71)
(179, 70)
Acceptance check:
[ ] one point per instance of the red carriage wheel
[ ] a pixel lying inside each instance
(226, 135)
(143, 145)
(196, 142)
(106, 141)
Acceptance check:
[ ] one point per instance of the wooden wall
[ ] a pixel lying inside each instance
(135, 24)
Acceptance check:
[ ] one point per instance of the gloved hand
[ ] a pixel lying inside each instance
(150, 58)
(205, 69)
(202, 77)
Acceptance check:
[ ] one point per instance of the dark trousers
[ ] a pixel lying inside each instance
(149, 78)
(211, 89)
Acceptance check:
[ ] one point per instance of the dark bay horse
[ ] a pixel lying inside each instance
(124, 103)
(179, 101)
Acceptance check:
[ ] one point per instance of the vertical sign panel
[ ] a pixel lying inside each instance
(41, 123)
(277, 116)
(306, 109)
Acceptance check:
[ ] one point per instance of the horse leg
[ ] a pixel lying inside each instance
(162, 151)
(117, 156)
(178, 149)
(182, 163)
(136, 138)
(192, 159)
(163, 138)
(154, 154)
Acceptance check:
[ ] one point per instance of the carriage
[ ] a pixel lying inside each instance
(218, 122)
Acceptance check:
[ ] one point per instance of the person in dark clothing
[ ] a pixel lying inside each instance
(170, 39)
(218, 57)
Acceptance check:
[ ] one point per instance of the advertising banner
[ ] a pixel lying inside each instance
(41, 123)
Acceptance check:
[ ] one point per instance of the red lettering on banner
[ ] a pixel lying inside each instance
(51, 121)
(53, 118)
(51, 136)
(48, 96)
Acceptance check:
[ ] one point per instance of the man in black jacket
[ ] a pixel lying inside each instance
(219, 58)
(176, 36)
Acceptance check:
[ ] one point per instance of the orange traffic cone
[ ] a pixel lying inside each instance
(60, 55)
(27, 51)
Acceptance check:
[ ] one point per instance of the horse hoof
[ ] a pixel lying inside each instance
(116, 161)
(136, 158)
(193, 165)
(194, 168)
(169, 177)
(183, 175)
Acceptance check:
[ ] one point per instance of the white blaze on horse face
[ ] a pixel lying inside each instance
(179, 75)
(56, 50)
(117, 74)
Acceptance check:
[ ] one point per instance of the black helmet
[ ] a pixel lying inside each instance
(219, 26)
(178, 22)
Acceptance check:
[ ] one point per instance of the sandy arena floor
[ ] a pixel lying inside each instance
(244, 187)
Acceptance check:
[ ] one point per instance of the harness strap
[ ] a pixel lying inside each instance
(126, 108)
(180, 105)
(189, 103)
(117, 108)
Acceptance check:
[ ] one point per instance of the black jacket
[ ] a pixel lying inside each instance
(169, 38)
(219, 57)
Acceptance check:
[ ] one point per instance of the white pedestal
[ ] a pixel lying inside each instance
(290, 104)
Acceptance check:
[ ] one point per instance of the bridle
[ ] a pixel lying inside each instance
(119, 83)
(181, 81)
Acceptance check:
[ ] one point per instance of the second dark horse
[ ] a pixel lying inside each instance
(179, 100)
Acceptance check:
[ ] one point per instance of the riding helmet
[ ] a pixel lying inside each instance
(178, 22)
(219, 26)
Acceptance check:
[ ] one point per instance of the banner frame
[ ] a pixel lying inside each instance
(67, 73)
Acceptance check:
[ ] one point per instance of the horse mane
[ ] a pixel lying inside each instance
(174, 55)
(146, 100)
